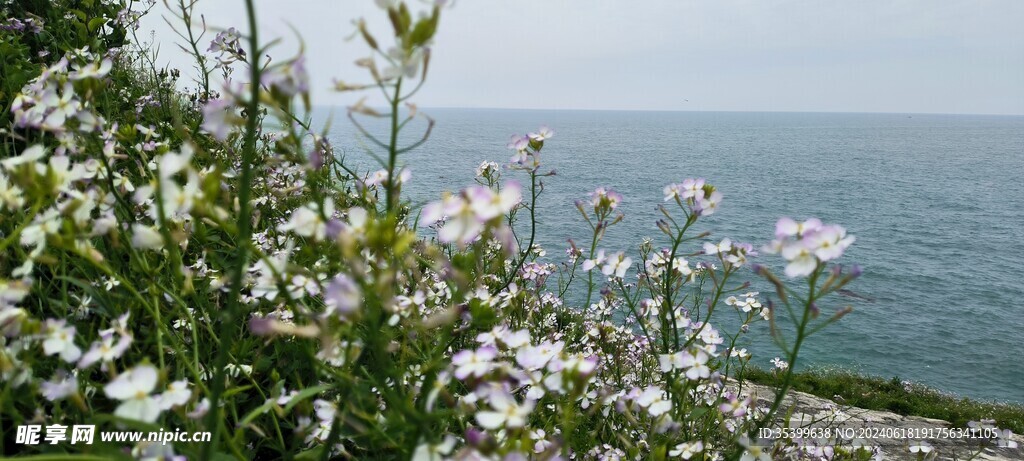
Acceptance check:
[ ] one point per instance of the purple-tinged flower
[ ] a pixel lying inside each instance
(217, 118)
(342, 296)
(808, 244)
(289, 78)
(605, 200)
(61, 386)
(519, 143)
(707, 205)
(467, 215)
(488, 205)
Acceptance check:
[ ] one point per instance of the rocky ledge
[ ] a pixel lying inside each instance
(897, 437)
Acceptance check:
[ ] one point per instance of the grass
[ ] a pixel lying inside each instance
(907, 399)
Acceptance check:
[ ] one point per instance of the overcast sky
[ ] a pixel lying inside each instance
(939, 56)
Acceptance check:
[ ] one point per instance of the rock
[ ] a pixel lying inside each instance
(893, 434)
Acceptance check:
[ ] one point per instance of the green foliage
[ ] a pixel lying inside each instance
(895, 395)
(67, 25)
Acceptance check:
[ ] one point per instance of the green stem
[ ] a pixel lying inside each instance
(590, 273)
(392, 193)
(533, 232)
(229, 325)
(800, 336)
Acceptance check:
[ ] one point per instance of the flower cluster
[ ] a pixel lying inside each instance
(806, 245)
(473, 211)
(700, 197)
(208, 263)
(527, 148)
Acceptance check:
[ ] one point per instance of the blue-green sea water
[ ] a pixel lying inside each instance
(936, 203)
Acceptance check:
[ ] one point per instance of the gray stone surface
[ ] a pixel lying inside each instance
(897, 434)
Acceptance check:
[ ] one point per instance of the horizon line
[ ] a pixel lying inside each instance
(549, 109)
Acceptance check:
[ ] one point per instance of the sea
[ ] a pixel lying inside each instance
(936, 203)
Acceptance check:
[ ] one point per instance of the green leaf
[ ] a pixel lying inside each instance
(256, 413)
(303, 395)
(311, 454)
(96, 23)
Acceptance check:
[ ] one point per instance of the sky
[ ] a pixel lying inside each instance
(903, 56)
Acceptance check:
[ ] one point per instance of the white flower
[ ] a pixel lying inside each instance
(687, 450)
(461, 226)
(97, 69)
(132, 388)
(696, 365)
(542, 134)
(309, 221)
(617, 265)
(468, 212)
(598, 259)
(64, 105)
(671, 362)
(921, 447)
(706, 206)
(829, 242)
(477, 363)
(506, 412)
(13, 291)
(439, 452)
(60, 340)
(146, 238)
(536, 357)
(29, 155)
(516, 339)
(801, 258)
(200, 409)
(105, 349)
(173, 163)
(722, 247)
(10, 194)
(653, 399)
(177, 394)
(64, 173)
(787, 227)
